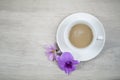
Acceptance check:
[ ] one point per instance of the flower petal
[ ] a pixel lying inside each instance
(75, 62)
(51, 57)
(60, 63)
(66, 56)
(69, 70)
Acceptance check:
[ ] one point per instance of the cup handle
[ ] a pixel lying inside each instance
(100, 37)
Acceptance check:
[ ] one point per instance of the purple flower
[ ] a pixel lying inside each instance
(67, 63)
(51, 52)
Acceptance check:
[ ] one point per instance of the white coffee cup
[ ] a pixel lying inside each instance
(97, 43)
(67, 31)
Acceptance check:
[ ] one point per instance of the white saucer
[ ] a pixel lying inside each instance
(96, 45)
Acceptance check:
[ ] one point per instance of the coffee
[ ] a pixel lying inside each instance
(80, 35)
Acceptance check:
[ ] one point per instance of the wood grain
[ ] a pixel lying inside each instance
(27, 25)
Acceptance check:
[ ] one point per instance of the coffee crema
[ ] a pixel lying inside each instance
(80, 35)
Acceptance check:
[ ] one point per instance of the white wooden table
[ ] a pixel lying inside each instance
(26, 25)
